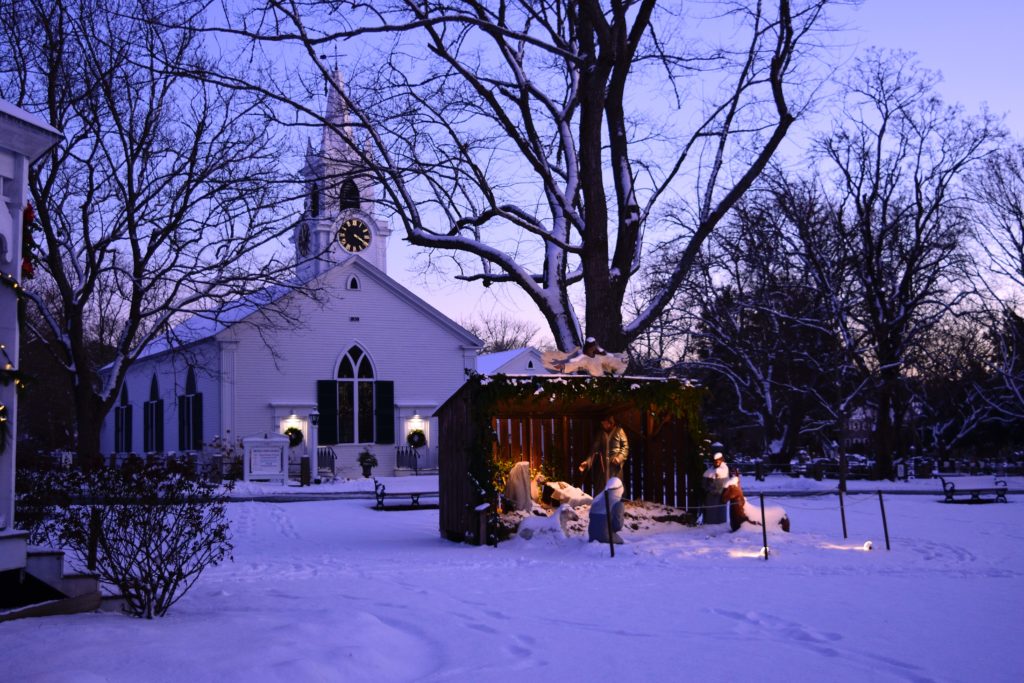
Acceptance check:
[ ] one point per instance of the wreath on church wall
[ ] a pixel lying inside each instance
(294, 435)
(416, 438)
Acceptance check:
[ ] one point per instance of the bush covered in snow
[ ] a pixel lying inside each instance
(149, 530)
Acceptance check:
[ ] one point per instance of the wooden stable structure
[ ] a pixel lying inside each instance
(551, 420)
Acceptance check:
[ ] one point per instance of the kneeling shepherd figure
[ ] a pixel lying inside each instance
(597, 530)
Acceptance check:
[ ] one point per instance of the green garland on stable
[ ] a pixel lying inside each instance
(665, 396)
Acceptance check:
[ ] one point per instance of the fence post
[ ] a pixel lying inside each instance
(885, 524)
(94, 536)
(608, 516)
(842, 512)
(764, 528)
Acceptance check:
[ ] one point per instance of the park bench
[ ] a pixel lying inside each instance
(382, 494)
(975, 493)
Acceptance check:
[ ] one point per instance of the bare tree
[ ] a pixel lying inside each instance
(951, 383)
(501, 332)
(535, 143)
(158, 200)
(763, 333)
(896, 160)
(998, 193)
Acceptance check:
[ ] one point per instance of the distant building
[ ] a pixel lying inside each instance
(524, 361)
(858, 430)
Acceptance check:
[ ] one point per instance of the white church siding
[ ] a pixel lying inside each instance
(171, 371)
(424, 355)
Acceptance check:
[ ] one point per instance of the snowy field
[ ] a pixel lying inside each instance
(335, 591)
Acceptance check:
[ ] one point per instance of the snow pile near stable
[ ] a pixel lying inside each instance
(336, 591)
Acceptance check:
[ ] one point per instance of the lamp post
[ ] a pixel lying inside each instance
(416, 423)
(314, 442)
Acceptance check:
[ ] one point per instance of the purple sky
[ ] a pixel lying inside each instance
(977, 46)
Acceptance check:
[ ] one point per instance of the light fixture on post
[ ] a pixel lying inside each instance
(314, 443)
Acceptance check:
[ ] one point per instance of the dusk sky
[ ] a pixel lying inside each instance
(975, 45)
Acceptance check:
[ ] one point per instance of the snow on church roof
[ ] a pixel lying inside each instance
(491, 363)
(206, 325)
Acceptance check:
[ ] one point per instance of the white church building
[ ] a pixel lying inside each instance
(368, 360)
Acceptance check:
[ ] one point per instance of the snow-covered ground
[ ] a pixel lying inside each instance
(335, 591)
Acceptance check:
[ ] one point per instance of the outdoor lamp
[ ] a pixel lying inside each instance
(314, 417)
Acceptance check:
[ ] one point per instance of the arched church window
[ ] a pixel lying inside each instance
(314, 200)
(190, 415)
(349, 195)
(355, 397)
(153, 420)
(353, 282)
(355, 405)
(123, 423)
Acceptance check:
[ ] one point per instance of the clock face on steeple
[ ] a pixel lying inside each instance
(354, 235)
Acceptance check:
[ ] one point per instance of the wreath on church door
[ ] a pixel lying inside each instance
(294, 435)
(416, 438)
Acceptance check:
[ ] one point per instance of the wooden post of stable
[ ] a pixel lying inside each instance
(842, 512)
(885, 525)
(764, 528)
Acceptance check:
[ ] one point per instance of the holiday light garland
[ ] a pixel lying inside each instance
(9, 373)
(28, 243)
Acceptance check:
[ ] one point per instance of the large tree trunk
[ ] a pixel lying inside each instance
(89, 419)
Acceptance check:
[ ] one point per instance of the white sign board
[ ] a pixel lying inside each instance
(266, 458)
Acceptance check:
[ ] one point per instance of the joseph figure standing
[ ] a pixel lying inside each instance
(607, 454)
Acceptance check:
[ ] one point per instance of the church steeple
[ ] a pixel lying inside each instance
(337, 142)
(338, 217)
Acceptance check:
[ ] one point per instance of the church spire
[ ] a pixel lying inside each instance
(338, 122)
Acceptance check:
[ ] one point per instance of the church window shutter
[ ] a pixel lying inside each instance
(190, 415)
(123, 423)
(127, 429)
(197, 422)
(327, 406)
(153, 420)
(158, 426)
(182, 423)
(147, 427)
(385, 411)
